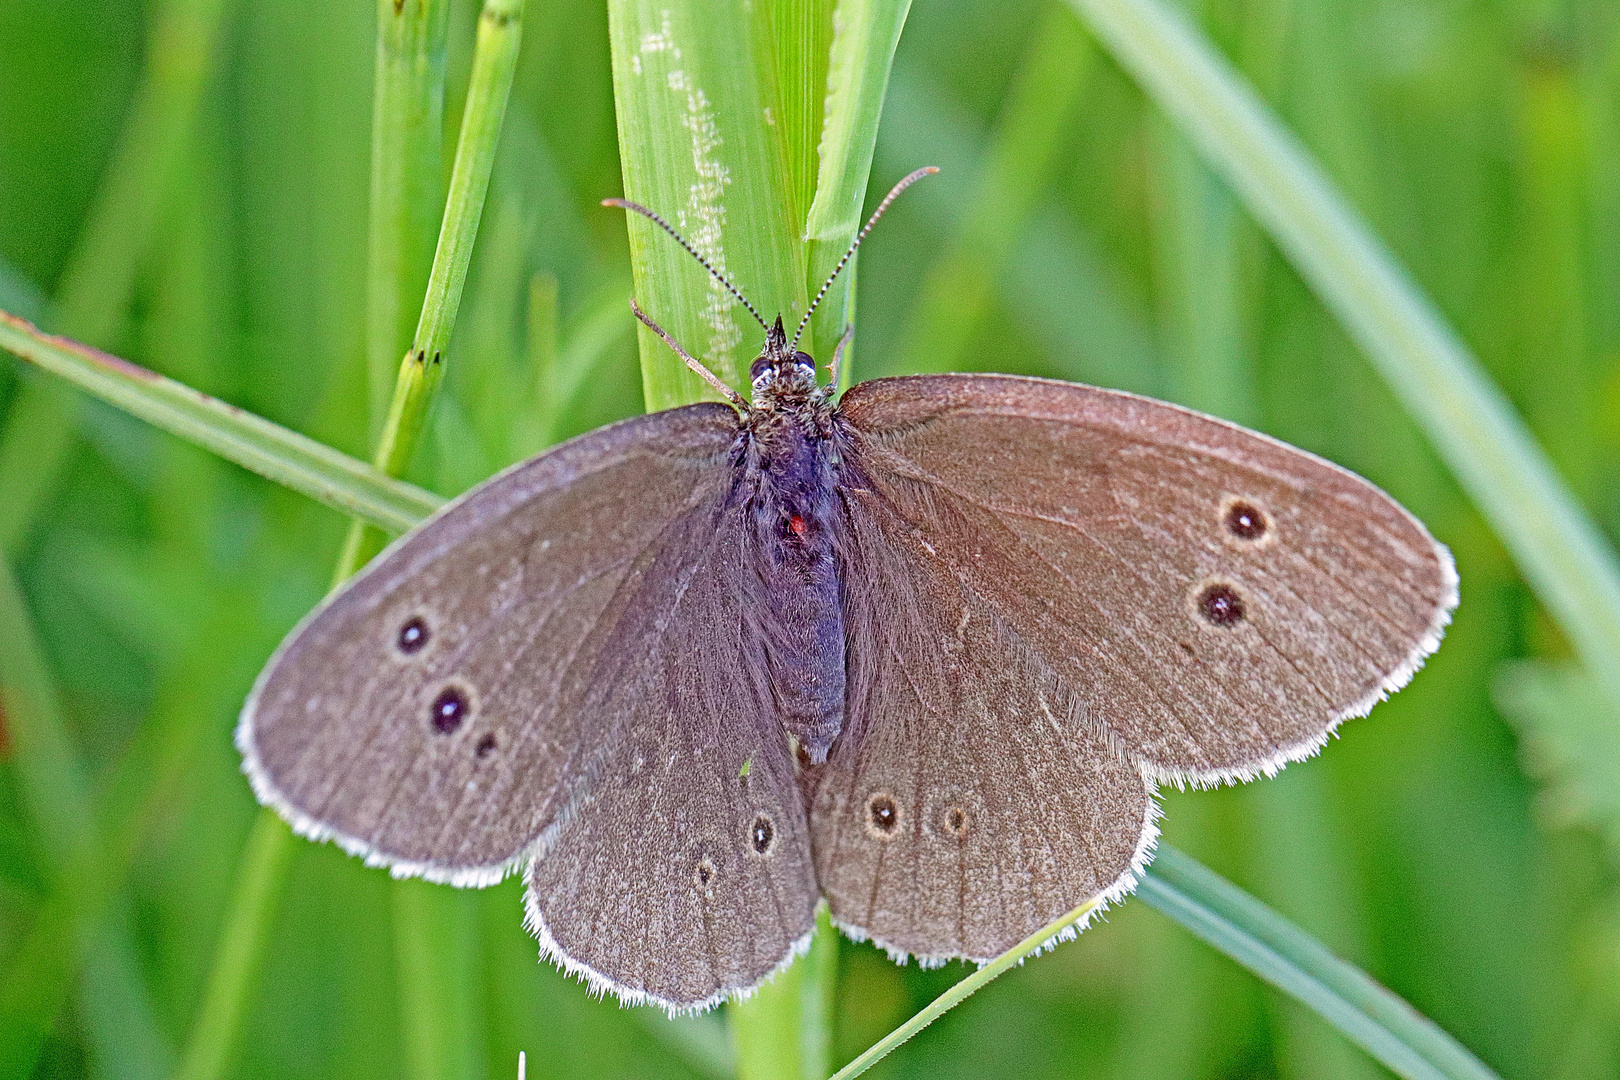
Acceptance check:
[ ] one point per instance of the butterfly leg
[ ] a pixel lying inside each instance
(692, 362)
(838, 356)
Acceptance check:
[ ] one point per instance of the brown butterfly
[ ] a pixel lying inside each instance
(924, 650)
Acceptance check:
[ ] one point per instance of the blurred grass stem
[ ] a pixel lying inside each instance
(262, 873)
(1483, 441)
(1389, 1029)
(92, 300)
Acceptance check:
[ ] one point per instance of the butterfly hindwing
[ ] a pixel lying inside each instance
(972, 799)
(684, 873)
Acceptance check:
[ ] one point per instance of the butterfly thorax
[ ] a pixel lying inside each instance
(788, 472)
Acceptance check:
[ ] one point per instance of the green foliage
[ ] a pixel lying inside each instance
(206, 216)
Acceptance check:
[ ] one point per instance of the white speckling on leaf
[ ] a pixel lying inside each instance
(702, 219)
(705, 216)
(661, 40)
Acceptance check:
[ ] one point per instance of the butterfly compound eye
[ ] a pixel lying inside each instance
(758, 368)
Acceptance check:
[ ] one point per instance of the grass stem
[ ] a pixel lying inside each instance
(237, 958)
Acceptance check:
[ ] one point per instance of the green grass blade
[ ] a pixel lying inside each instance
(711, 138)
(764, 1029)
(1267, 944)
(1057, 282)
(865, 35)
(435, 961)
(90, 873)
(55, 791)
(268, 449)
(68, 934)
(1486, 445)
(1278, 951)
(435, 950)
(500, 32)
(1198, 267)
(92, 298)
(784, 1031)
(959, 993)
(18, 294)
(407, 179)
(262, 870)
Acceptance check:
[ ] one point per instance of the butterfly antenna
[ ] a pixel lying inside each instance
(626, 204)
(894, 193)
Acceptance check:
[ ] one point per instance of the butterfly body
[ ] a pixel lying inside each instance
(788, 472)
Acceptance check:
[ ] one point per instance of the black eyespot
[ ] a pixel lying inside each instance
(1220, 605)
(705, 872)
(413, 635)
(449, 710)
(956, 821)
(485, 747)
(1245, 521)
(762, 834)
(759, 367)
(882, 816)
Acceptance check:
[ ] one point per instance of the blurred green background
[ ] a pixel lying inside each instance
(1072, 233)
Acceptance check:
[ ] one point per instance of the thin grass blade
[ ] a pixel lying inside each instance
(268, 449)
(961, 286)
(865, 35)
(1267, 944)
(407, 181)
(55, 791)
(950, 999)
(696, 146)
(92, 299)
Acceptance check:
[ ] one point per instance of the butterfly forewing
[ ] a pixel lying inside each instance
(1218, 600)
(424, 715)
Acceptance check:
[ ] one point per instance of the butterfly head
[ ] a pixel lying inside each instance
(781, 373)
